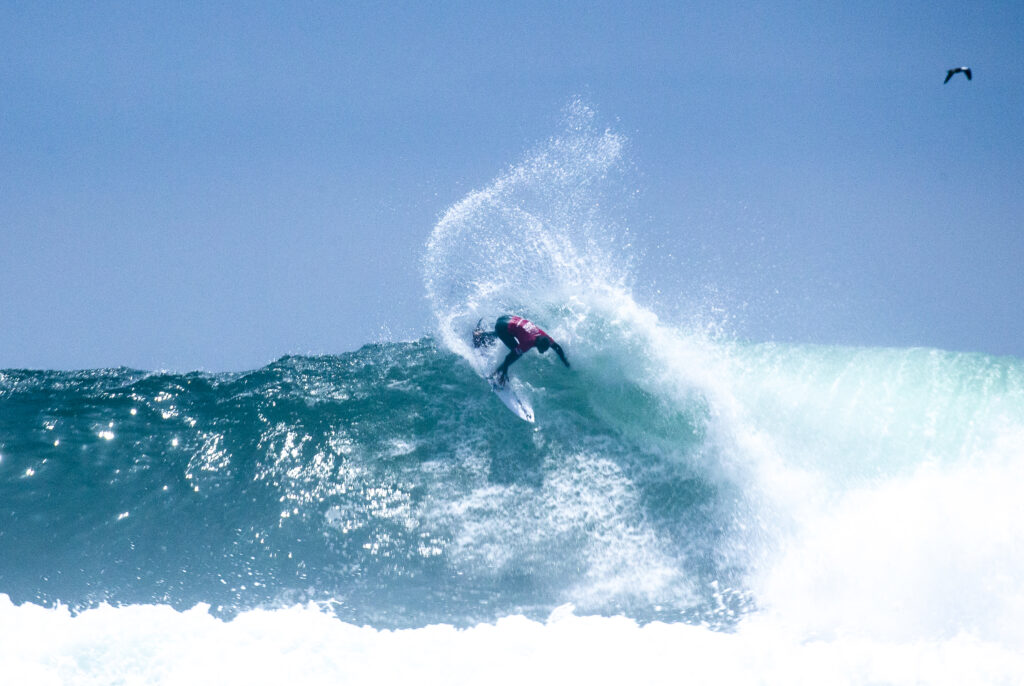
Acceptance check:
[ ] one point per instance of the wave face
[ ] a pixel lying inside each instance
(389, 482)
(849, 515)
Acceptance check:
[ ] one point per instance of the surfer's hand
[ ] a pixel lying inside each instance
(561, 354)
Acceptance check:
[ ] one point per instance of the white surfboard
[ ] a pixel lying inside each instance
(512, 395)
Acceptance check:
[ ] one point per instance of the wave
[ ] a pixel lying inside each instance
(389, 481)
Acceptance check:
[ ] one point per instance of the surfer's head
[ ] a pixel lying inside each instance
(543, 343)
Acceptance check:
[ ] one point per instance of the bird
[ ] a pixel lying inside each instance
(965, 70)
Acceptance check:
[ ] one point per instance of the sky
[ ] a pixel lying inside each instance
(214, 185)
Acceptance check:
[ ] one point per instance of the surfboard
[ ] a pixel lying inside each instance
(512, 395)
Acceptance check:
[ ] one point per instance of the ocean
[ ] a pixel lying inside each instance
(688, 507)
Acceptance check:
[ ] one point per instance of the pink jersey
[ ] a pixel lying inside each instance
(525, 333)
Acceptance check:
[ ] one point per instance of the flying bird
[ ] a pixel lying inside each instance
(965, 70)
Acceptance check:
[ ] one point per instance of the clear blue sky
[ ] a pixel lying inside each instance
(213, 185)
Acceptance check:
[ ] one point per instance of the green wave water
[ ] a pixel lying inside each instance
(391, 484)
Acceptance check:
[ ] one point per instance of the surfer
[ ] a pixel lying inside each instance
(519, 335)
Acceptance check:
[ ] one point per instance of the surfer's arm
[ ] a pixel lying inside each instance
(558, 349)
(502, 371)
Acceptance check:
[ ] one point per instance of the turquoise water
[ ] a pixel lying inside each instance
(388, 481)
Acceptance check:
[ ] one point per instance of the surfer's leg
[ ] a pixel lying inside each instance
(501, 331)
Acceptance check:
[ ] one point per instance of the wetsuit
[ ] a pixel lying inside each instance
(517, 333)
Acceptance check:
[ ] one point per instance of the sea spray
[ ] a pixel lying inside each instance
(540, 241)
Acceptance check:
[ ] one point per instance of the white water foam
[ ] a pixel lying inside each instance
(925, 556)
(157, 645)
